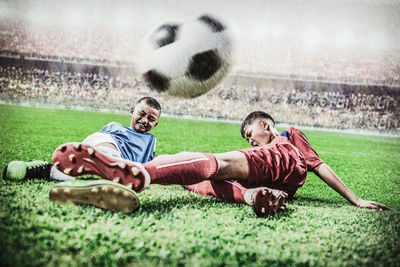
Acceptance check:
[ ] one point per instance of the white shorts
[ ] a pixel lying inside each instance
(97, 138)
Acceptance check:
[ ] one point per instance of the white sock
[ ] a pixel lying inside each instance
(55, 174)
(248, 196)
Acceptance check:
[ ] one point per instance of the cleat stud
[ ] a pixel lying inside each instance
(54, 191)
(262, 210)
(72, 158)
(126, 194)
(94, 191)
(270, 203)
(56, 164)
(135, 171)
(282, 208)
(264, 193)
(90, 151)
(116, 180)
(104, 189)
(114, 201)
(116, 191)
(78, 147)
(121, 165)
(269, 191)
(129, 185)
(67, 171)
(80, 169)
(63, 148)
(126, 210)
(67, 191)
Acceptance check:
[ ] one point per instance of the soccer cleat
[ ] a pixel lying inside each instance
(100, 193)
(267, 202)
(83, 161)
(20, 170)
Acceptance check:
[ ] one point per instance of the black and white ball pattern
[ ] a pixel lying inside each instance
(186, 59)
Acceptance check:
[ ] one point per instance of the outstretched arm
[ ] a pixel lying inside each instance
(324, 172)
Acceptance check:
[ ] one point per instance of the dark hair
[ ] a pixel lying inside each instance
(252, 117)
(151, 102)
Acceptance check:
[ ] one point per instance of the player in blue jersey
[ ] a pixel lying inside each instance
(133, 143)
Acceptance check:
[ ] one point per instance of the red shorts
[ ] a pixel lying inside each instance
(279, 166)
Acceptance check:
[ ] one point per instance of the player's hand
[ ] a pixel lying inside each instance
(371, 205)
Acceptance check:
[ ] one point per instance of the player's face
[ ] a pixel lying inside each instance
(144, 117)
(257, 133)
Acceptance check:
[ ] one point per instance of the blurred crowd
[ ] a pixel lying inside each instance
(93, 42)
(331, 108)
(288, 58)
(104, 44)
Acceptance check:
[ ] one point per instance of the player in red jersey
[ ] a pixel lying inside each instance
(263, 176)
(287, 173)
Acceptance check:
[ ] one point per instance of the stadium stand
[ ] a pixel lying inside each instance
(323, 88)
(341, 108)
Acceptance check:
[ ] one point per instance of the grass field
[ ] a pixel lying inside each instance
(177, 227)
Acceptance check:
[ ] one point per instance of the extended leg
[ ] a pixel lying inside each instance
(265, 201)
(227, 190)
(185, 168)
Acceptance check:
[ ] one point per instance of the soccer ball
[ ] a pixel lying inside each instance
(186, 59)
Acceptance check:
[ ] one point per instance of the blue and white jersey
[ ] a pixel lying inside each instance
(134, 146)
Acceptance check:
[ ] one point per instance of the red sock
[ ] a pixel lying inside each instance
(227, 190)
(185, 168)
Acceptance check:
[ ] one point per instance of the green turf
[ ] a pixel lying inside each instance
(177, 227)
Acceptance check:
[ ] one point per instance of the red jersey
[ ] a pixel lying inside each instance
(299, 140)
(281, 164)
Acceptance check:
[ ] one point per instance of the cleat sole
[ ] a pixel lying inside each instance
(83, 161)
(267, 203)
(107, 197)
